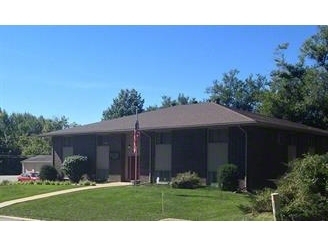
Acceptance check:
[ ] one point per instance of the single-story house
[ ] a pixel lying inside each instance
(36, 162)
(196, 137)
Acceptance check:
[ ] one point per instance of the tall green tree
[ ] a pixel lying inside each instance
(19, 133)
(6, 140)
(299, 91)
(34, 145)
(316, 48)
(234, 92)
(285, 98)
(126, 103)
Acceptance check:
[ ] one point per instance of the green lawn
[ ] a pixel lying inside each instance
(15, 191)
(141, 203)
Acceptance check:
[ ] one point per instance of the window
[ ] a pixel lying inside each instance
(218, 136)
(67, 141)
(102, 140)
(163, 138)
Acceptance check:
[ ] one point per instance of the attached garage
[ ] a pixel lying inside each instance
(36, 162)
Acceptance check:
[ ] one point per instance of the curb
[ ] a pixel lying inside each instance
(10, 218)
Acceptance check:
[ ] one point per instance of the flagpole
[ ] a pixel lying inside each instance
(136, 150)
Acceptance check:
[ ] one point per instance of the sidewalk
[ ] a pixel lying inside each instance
(55, 193)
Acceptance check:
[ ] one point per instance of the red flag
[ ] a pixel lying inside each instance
(136, 134)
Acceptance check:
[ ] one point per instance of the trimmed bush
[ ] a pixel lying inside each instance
(48, 172)
(228, 177)
(187, 180)
(75, 166)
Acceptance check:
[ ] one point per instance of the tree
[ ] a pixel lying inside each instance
(181, 100)
(126, 103)
(316, 48)
(152, 108)
(284, 99)
(19, 133)
(298, 92)
(168, 102)
(4, 128)
(234, 92)
(55, 124)
(34, 145)
(7, 139)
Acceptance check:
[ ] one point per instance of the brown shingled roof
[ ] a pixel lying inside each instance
(183, 116)
(280, 123)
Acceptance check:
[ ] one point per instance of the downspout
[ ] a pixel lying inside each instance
(149, 170)
(53, 152)
(246, 138)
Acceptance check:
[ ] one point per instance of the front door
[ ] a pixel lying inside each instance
(102, 171)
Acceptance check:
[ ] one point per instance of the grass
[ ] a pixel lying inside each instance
(141, 203)
(15, 191)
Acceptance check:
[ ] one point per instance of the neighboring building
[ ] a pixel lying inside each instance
(196, 137)
(36, 162)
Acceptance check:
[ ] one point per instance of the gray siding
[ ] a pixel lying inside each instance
(85, 145)
(144, 155)
(115, 146)
(236, 149)
(189, 152)
(266, 154)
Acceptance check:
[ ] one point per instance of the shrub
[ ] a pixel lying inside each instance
(228, 177)
(85, 182)
(303, 190)
(75, 166)
(48, 172)
(5, 182)
(187, 180)
(260, 202)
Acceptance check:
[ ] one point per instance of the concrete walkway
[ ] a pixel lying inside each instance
(55, 193)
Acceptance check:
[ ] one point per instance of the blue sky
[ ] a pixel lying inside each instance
(76, 71)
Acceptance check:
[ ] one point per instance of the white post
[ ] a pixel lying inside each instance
(275, 206)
